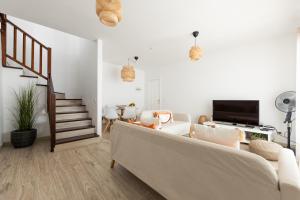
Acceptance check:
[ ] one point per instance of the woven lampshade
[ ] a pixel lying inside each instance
(109, 11)
(128, 73)
(195, 53)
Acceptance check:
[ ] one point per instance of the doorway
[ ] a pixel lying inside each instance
(154, 100)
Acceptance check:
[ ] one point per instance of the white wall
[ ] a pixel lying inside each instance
(118, 92)
(258, 70)
(69, 55)
(86, 78)
(74, 70)
(12, 82)
(99, 85)
(298, 96)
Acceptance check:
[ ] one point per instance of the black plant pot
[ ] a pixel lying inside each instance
(24, 138)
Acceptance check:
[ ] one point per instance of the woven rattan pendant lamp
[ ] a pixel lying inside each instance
(128, 72)
(195, 51)
(109, 12)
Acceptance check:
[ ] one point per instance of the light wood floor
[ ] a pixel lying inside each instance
(81, 173)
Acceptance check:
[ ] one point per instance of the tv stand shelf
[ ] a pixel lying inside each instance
(251, 132)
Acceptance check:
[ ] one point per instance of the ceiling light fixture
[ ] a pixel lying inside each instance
(195, 51)
(109, 11)
(128, 72)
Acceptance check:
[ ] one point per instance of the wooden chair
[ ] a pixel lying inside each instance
(110, 115)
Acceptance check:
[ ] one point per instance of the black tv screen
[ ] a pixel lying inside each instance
(236, 111)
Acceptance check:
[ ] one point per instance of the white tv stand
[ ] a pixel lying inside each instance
(267, 135)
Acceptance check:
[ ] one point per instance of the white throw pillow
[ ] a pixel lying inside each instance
(225, 136)
(147, 118)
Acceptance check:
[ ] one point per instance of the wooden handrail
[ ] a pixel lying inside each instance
(33, 68)
(38, 70)
(51, 112)
(3, 37)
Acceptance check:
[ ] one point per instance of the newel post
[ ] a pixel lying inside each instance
(3, 37)
(49, 61)
(49, 78)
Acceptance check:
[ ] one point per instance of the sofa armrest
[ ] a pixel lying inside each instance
(289, 175)
(182, 117)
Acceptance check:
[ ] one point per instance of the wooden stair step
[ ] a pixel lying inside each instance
(71, 105)
(28, 76)
(73, 129)
(71, 116)
(73, 120)
(74, 108)
(68, 102)
(60, 95)
(73, 124)
(68, 134)
(68, 99)
(11, 67)
(73, 112)
(76, 138)
(43, 85)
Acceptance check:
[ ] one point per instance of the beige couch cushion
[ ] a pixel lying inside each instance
(176, 128)
(224, 136)
(268, 150)
(289, 175)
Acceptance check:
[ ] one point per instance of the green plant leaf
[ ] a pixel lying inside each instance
(25, 110)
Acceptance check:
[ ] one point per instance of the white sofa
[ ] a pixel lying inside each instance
(179, 124)
(183, 168)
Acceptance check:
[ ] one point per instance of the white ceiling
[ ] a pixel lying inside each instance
(159, 31)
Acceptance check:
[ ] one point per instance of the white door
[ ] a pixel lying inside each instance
(154, 94)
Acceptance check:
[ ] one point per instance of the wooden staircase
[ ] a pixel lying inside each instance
(72, 120)
(69, 120)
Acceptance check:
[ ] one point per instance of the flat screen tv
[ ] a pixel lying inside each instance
(236, 111)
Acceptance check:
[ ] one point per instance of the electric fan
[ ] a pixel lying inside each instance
(286, 102)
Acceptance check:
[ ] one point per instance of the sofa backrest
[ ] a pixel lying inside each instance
(183, 168)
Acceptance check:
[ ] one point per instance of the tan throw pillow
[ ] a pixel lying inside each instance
(224, 136)
(267, 150)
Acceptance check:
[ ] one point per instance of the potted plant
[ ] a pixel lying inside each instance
(25, 117)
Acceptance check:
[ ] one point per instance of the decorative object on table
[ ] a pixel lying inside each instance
(25, 117)
(202, 119)
(128, 72)
(195, 51)
(110, 115)
(286, 102)
(268, 150)
(109, 12)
